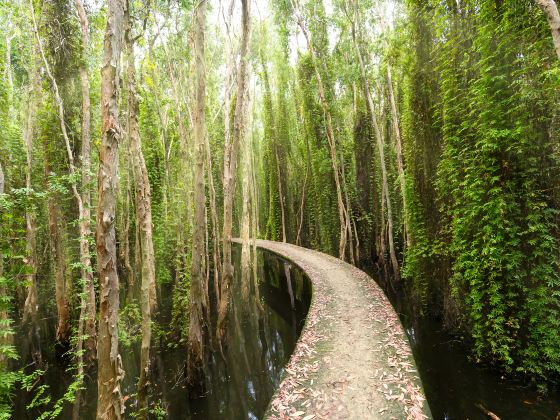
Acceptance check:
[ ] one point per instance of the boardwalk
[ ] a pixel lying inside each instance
(353, 360)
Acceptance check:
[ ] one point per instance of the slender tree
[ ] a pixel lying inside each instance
(230, 168)
(143, 198)
(29, 132)
(333, 148)
(198, 302)
(246, 215)
(86, 324)
(5, 338)
(110, 403)
(395, 120)
(381, 147)
(83, 214)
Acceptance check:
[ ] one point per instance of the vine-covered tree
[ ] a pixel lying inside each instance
(416, 139)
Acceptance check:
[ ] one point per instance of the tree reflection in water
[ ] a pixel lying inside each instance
(263, 328)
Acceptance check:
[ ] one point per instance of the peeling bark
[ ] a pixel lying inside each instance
(198, 294)
(110, 403)
(86, 325)
(246, 222)
(148, 296)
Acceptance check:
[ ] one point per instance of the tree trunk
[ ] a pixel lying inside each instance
(230, 166)
(254, 229)
(124, 233)
(550, 9)
(330, 135)
(57, 250)
(396, 127)
(30, 306)
(214, 218)
(382, 247)
(8, 70)
(398, 144)
(6, 336)
(381, 146)
(280, 194)
(348, 216)
(246, 222)
(148, 297)
(86, 325)
(110, 403)
(229, 82)
(84, 216)
(198, 293)
(302, 205)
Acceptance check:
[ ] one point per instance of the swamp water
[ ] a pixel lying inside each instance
(261, 342)
(262, 332)
(456, 387)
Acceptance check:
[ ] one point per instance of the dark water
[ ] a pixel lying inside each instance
(260, 341)
(456, 387)
(262, 331)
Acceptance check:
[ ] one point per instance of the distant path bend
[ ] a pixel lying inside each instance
(352, 360)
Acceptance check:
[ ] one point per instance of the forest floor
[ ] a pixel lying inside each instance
(353, 360)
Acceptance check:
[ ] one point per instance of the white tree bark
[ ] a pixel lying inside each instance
(88, 305)
(550, 10)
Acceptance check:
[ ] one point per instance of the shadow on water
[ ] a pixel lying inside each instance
(456, 387)
(262, 332)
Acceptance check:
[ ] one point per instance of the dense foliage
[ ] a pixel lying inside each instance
(416, 138)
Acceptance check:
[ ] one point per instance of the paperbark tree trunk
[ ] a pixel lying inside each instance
(246, 222)
(110, 403)
(148, 297)
(230, 167)
(550, 10)
(86, 324)
(30, 306)
(229, 83)
(198, 292)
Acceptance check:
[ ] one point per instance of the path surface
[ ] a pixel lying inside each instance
(353, 360)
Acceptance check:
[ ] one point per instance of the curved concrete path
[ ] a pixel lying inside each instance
(353, 360)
